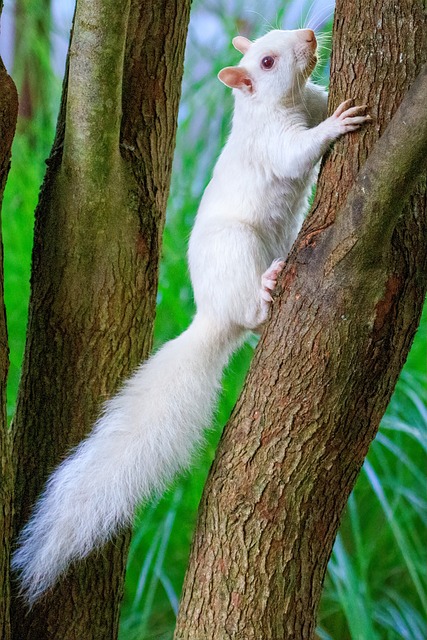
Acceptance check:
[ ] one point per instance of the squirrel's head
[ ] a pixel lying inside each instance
(274, 66)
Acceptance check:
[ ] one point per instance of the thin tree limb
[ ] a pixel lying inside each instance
(8, 117)
(94, 97)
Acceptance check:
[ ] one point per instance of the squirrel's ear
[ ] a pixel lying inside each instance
(241, 43)
(236, 78)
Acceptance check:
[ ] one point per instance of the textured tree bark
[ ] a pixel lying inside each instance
(350, 301)
(94, 274)
(8, 116)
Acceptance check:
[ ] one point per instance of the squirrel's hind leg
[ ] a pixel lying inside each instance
(268, 285)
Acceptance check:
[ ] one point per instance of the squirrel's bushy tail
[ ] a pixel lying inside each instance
(147, 433)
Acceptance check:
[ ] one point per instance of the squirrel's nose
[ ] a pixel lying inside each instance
(308, 36)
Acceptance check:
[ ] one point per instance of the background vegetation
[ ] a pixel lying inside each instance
(376, 583)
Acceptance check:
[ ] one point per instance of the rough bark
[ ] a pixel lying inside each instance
(350, 301)
(8, 116)
(94, 273)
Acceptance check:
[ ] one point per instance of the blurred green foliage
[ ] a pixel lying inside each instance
(376, 583)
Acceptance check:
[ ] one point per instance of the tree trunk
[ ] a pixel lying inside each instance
(94, 274)
(8, 116)
(350, 301)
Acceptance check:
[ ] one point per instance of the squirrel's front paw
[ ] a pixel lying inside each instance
(347, 118)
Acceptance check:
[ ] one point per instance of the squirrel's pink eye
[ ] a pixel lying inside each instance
(267, 62)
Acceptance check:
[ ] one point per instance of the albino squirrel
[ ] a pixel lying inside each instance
(248, 218)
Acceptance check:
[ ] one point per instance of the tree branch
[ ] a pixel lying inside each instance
(94, 273)
(327, 363)
(94, 97)
(386, 180)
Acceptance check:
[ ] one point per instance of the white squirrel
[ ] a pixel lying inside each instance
(248, 218)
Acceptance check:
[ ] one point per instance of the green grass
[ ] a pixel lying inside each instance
(376, 583)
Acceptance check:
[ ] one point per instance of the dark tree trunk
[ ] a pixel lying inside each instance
(350, 301)
(8, 116)
(94, 274)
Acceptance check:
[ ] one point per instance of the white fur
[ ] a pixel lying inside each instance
(248, 217)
